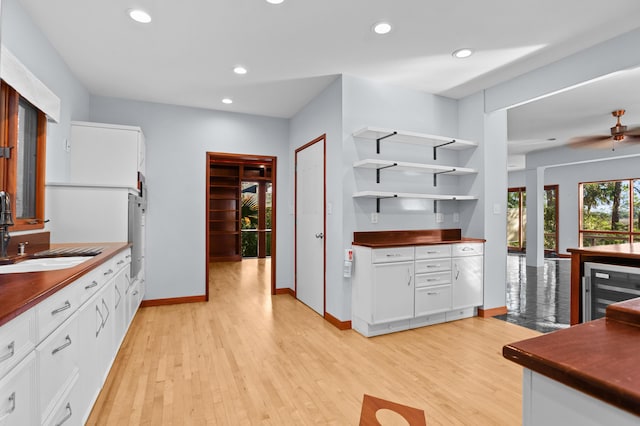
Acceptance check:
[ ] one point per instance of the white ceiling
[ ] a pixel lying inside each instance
(295, 49)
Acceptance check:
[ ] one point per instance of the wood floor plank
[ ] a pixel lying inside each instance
(249, 358)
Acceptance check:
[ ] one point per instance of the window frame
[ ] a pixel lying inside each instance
(10, 99)
(630, 235)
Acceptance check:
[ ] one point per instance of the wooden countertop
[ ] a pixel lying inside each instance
(380, 239)
(628, 251)
(19, 292)
(599, 358)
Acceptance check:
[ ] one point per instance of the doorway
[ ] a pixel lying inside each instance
(517, 219)
(240, 209)
(310, 224)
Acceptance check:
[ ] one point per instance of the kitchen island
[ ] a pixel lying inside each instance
(617, 254)
(587, 374)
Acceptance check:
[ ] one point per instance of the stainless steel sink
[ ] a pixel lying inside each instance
(43, 264)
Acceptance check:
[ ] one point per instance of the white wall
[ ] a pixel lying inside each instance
(25, 40)
(178, 139)
(323, 115)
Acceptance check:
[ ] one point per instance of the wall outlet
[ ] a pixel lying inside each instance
(374, 217)
(67, 145)
(456, 217)
(439, 217)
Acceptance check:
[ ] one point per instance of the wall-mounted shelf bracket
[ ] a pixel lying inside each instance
(381, 138)
(382, 168)
(378, 202)
(435, 175)
(435, 148)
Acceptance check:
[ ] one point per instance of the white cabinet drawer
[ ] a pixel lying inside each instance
(432, 299)
(17, 339)
(53, 311)
(121, 260)
(17, 394)
(433, 251)
(437, 278)
(67, 410)
(398, 254)
(90, 284)
(57, 358)
(436, 265)
(467, 249)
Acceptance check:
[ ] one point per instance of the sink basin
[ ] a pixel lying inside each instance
(43, 264)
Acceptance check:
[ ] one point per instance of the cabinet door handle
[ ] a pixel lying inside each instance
(119, 297)
(68, 416)
(409, 275)
(92, 285)
(101, 321)
(107, 309)
(128, 256)
(109, 272)
(64, 345)
(66, 306)
(12, 406)
(135, 293)
(12, 350)
(457, 272)
(320, 235)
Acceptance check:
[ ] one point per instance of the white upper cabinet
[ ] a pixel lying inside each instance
(106, 154)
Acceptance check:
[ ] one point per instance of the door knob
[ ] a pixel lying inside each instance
(320, 235)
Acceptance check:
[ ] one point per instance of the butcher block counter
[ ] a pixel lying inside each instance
(598, 358)
(616, 254)
(379, 239)
(21, 291)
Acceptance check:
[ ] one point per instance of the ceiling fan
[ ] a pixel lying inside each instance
(619, 132)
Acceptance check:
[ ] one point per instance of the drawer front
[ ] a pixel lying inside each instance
(17, 394)
(433, 251)
(17, 339)
(432, 299)
(122, 259)
(57, 359)
(90, 284)
(436, 265)
(67, 411)
(437, 278)
(53, 311)
(398, 254)
(468, 249)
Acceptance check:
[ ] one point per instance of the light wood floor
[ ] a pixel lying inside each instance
(247, 357)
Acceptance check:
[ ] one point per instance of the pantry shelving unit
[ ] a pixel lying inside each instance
(436, 142)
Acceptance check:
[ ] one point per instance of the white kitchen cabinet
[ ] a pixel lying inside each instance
(467, 271)
(18, 394)
(120, 305)
(399, 288)
(17, 339)
(106, 154)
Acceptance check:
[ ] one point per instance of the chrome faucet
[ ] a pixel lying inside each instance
(5, 222)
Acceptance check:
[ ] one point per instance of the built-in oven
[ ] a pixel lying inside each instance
(604, 284)
(137, 209)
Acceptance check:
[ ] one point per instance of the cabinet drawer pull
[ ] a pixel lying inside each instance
(467, 248)
(433, 252)
(66, 306)
(434, 266)
(67, 417)
(64, 345)
(135, 293)
(92, 285)
(430, 280)
(433, 293)
(128, 256)
(12, 406)
(12, 350)
(120, 262)
(109, 272)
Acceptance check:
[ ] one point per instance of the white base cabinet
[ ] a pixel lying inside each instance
(395, 289)
(54, 358)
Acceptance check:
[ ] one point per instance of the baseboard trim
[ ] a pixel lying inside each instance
(286, 290)
(173, 301)
(340, 325)
(488, 313)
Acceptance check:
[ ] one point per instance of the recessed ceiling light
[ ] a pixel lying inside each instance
(275, 1)
(139, 15)
(382, 28)
(240, 70)
(227, 101)
(462, 53)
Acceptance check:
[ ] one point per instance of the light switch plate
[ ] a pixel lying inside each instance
(374, 217)
(439, 217)
(456, 217)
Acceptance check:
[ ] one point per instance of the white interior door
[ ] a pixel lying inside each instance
(310, 226)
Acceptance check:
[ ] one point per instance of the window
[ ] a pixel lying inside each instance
(610, 212)
(22, 166)
(517, 218)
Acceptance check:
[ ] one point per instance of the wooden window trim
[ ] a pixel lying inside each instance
(8, 137)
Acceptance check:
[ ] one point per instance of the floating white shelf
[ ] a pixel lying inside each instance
(388, 135)
(437, 197)
(402, 166)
